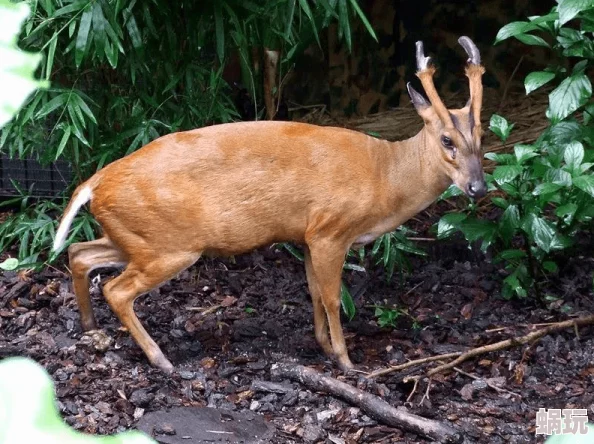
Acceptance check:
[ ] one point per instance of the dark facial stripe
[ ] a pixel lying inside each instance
(456, 122)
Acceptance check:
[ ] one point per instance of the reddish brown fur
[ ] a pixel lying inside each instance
(230, 188)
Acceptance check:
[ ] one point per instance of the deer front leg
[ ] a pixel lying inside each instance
(320, 319)
(327, 259)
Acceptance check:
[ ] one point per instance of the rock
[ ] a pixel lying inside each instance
(313, 433)
(197, 425)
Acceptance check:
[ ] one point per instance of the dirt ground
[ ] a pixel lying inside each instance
(224, 322)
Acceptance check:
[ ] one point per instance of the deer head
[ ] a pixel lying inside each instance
(454, 135)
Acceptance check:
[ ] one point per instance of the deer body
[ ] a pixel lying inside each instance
(227, 189)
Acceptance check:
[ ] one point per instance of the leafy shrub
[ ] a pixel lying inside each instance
(545, 189)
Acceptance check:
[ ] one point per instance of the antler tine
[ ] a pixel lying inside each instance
(471, 49)
(474, 72)
(425, 72)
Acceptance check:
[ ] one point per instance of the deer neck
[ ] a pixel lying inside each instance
(414, 177)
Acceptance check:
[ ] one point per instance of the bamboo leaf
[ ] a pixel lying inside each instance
(83, 36)
(363, 19)
(50, 56)
(65, 138)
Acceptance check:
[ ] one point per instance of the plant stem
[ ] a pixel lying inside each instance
(532, 268)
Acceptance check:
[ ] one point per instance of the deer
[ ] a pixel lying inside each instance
(230, 188)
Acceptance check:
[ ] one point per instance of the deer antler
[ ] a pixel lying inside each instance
(425, 72)
(474, 72)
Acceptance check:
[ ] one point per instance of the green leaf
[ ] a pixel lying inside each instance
(541, 232)
(509, 222)
(50, 56)
(546, 188)
(344, 22)
(571, 94)
(348, 305)
(536, 79)
(585, 183)
(361, 15)
(500, 126)
(83, 36)
(550, 266)
(305, 7)
(532, 40)
(449, 224)
(568, 9)
(510, 255)
(452, 191)
(501, 159)
(134, 33)
(500, 202)
(507, 173)
(63, 141)
(567, 211)
(515, 285)
(574, 155)
(52, 105)
(484, 230)
(9, 264)
(513, 29)
(524, 152)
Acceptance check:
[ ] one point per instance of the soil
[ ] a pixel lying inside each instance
(224, 322)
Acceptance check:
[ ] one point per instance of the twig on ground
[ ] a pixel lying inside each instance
(397, 368)
(493, 386)
(371, 404)
(501, 345)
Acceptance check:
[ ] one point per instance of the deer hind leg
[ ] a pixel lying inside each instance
(327, 259)
(320, 320)
(138, 278)
(83, 258)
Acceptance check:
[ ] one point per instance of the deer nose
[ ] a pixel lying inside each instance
(476, 189)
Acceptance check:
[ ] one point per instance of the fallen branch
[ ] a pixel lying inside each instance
(371, 404)
(502, 345)
(513, 342)
(397, 368)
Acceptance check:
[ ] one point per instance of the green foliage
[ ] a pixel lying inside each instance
(126, 72)
(546, 189)
(33, 228)
(28, 411)
(17, 67)
(386, 317)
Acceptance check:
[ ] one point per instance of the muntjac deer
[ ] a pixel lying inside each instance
(230, 188)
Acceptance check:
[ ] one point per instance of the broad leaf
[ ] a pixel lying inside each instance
(532, 40)
(509, 222)
(536, 79)
(524, 152)
(546, 188)
(449, 224)
(511, 254)
(568, 9)
(572, 93)
(585, 183)
(513, 29)
(541, 232)
(500, 126)
(506, 173)
(574, 155)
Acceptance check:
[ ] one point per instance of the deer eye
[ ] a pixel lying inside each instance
(447, 142)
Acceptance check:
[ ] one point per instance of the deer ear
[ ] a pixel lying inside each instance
(419, 102)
